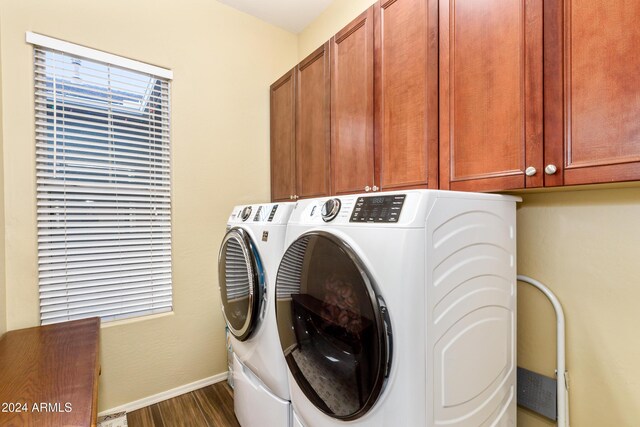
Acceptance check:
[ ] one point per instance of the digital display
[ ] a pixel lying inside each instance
(378, 209)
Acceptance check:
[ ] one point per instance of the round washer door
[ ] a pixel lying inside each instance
(333, 326)
(241, 278)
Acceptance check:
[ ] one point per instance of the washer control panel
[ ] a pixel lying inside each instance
(378, 208)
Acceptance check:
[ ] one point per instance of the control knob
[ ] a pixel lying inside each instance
(330, 209)
(246, 213)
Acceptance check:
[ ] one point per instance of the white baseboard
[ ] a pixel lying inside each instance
(151, 400)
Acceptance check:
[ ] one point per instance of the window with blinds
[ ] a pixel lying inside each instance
(103, 185)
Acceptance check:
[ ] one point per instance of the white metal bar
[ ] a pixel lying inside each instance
(97, 55)
(562, 374)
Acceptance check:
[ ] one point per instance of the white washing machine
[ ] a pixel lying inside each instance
(249, 256)
(399, 308)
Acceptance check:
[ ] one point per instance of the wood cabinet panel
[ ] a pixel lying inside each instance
(553, 92)
(352, 150)
(283, 138)
(601, 83)
(313, 137)
(406, 93)
(490, 93)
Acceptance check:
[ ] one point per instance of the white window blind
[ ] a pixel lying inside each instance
(103, 188)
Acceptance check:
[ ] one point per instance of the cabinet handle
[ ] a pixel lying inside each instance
(530, 171)
(367, 188)
(550, 169)
(375, 188)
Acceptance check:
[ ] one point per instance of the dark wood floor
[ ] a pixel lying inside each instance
(211, 406)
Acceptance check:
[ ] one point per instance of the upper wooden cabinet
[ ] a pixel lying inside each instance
(352, 149)
(283, 138)
(494, 71)
(592, 87)
(300, 126)
(313, 128)
(490, 94)
(406, 94)
(383, 65)
(471, 95)
(385, 71)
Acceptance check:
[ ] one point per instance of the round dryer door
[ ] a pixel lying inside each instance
(333, 326)
(241, 279)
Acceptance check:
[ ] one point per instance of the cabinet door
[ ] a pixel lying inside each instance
(592, 113)
(490, 94)
(313, 137)
(283, 138)
(352, 151)
(406, 93)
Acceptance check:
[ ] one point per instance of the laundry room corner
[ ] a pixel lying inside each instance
(580, 245)
(326, 213)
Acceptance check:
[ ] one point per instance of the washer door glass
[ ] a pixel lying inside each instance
(332, 325)
(241, 281)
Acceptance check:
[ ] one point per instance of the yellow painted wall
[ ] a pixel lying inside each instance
(585, 245)
(3, 306)
(223, 63)
(338, 14)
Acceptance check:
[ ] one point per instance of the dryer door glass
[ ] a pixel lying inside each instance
(241, 282)
(332, 325)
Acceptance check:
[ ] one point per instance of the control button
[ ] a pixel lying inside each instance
(330, 209)
(246, 213)
(273, 213)
(257, 216)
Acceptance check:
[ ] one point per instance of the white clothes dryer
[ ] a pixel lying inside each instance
(399, 308)
(249, 256)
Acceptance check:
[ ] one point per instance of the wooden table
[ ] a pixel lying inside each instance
(49, 375)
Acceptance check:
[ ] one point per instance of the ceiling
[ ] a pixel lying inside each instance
(291, 15)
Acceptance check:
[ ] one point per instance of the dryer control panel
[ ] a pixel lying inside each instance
(378, 208)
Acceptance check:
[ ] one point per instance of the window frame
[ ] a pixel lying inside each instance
(108, 170)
